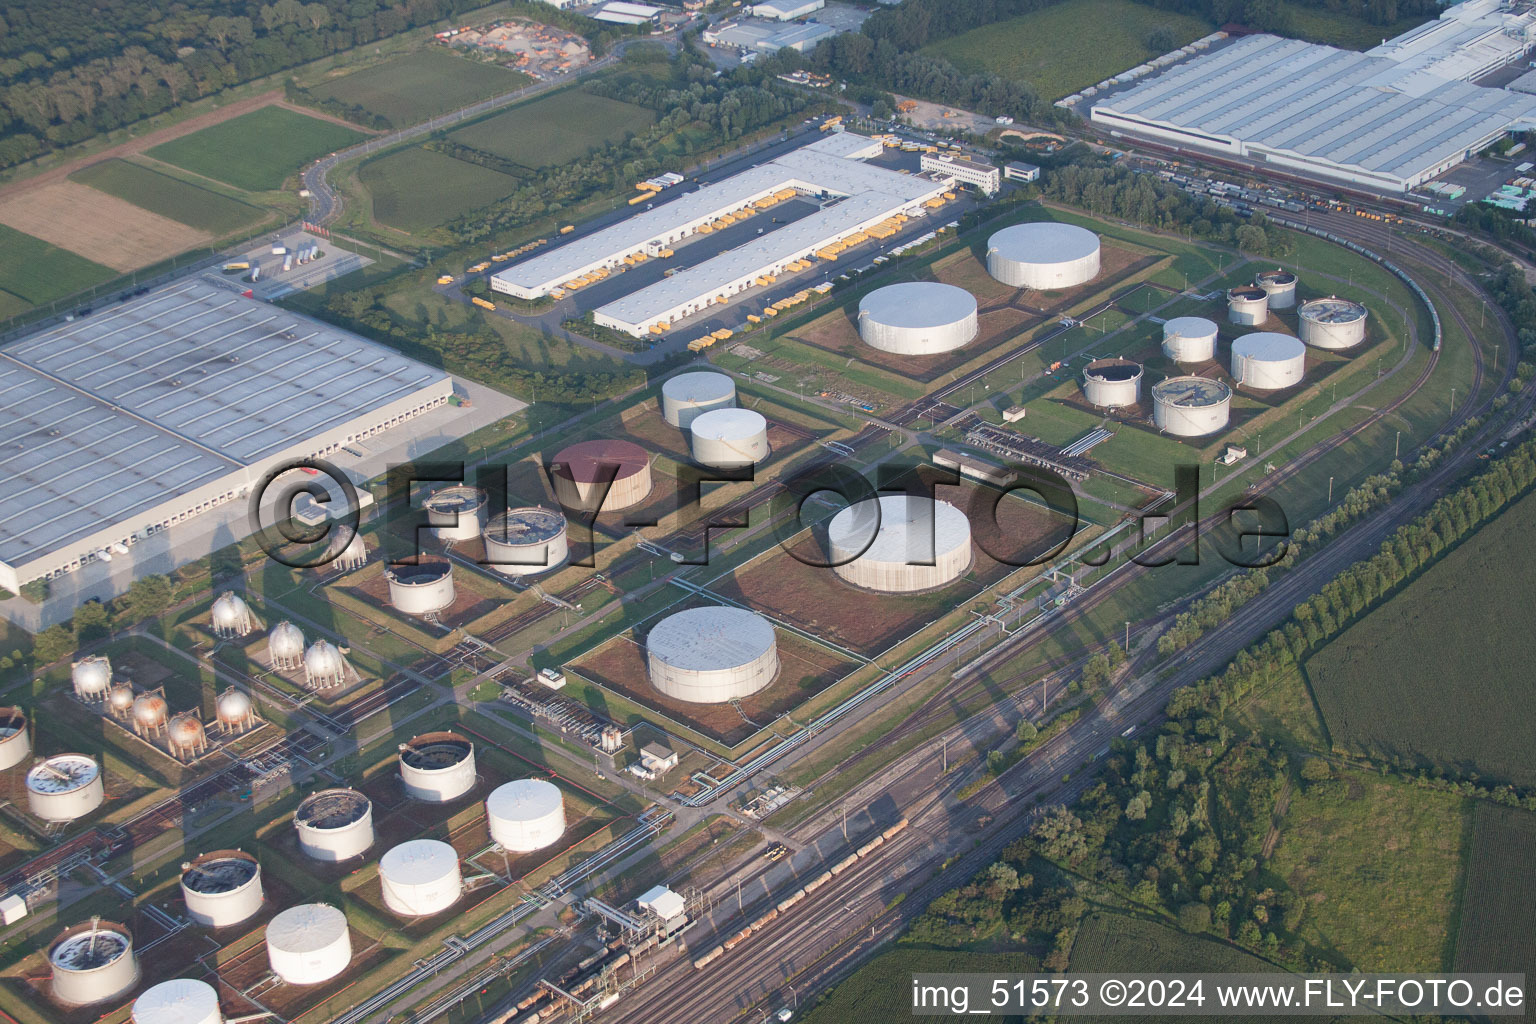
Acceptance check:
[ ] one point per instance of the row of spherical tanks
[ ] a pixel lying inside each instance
(311, 943)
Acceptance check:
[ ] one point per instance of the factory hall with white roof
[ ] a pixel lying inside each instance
(856, 195)
(1390, 118)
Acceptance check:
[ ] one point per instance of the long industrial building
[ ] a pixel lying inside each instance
(158, 409)
(1390, 119)
(857, 196)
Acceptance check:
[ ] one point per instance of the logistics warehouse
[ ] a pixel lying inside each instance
(165, 407)
(858, 195)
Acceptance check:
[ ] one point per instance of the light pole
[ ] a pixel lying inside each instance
(1397, 445)
(1330, 490)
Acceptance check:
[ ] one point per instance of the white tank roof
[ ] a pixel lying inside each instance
(180, 1001)
(1044, 242)
(717, 637)
(306, 928)
(903, 529)
(524, 800)
(699, 387)
(918, 304)
(1189, 327)
(1268, 347)
(729, 425)
(420, 862)
(63, 773)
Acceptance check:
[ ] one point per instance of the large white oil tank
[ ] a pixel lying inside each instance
(179, 1001)
(692, 394)
(92, 677)
(1112, 383)
(334, 824)
(729, 438)
(93, 963)
(456, 512)
(1044, 256)
(230, 616)
(437, 767)
(1247, 305)
(325, 667)
(711, 655)
(285, 647)
(526, 541)
(1189, 339)
(420, 877)
(917, 318)
(235, 711)
(15, 744)
(309, 943)
(222, 888)
(1191, 406)
(1266, 361)
(65, 787)
(1279, 285)
(421, 589)
(1331, 323)
(526, 815)
(900, 543)
(581, 472)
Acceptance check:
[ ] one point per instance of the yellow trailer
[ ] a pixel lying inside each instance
(568, 229)
(445, 279)
(483, 303)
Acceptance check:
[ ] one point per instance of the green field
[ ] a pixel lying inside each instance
(33, 273)
(1336, 28)
(417, 189)
(170, 197)
(1376, 862)
(1495, 930)
(556, 129)
(1067, 46)
(413, 87)
(881, 990)
(1438, 674)
(258, 151)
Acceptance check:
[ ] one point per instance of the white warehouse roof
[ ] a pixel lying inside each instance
(1319, 110)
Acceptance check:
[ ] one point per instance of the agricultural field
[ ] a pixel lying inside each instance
(1111, 942)
(1337, 28)
(33, 273)
(556, 129)
(881, 989)
(416, 189)
(97, 226)
(161, 194)
(413, 87)
(1494, 932)
(1067, 46)
(258, 151)
(1438, 674)
(1377, 864)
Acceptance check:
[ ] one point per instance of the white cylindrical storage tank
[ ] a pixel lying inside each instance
(1266, 361)
(65, 787)
(309, 943)
(325, 666)
(285, 647)
(181, 1001)
(1191, 406)
(421, 589)
(420, 877)
(222, 888)
(729, 438)
(1247, 305)
(1279, 285)
(456, 513)
(1112, 383)
(917, 318)
(1043, 256)
(15, 744)
(581, 471)
(230, 616)
(526, 815)
(692, 394)
(1189, 339)
(93, 963)
(526, 541)
(92, 677)
(900, 543)
(711, 655)
(334, 824)
(437, 767)
(1331, 323)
